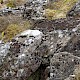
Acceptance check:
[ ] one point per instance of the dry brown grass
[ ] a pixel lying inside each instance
(14, 3)
(3, 23)
(77, 73)
(12, 25)
(59, 8)
(14, 29)
(11, 3)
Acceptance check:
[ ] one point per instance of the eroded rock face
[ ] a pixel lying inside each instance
(73, 46)
(63, 65)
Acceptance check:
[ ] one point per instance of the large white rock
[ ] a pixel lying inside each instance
(35, 33)
(30, 37)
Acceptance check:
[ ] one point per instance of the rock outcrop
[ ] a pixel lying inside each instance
(75, 11)
(50, 51)
(62, 65)
(19, 58)
(57, 49)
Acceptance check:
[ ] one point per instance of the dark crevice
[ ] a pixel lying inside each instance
(40, 74)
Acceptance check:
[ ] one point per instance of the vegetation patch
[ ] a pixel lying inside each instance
(77, 73)
(1, 1)
(11, 3)
(59, 8)
(14, 29)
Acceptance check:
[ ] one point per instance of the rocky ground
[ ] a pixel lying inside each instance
(50, 50)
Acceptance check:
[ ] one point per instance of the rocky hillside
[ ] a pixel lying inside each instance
(40, 40)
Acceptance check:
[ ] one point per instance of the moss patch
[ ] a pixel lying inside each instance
(11, 3)
(14, 29)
